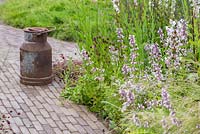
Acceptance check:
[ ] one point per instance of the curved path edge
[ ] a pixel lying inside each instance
(38, 109)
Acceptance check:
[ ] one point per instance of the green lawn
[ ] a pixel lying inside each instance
(67, 16)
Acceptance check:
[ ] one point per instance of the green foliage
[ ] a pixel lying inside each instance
(99, 96)
(65, 15)
(184, 96)
(93, 25)
(102, 96)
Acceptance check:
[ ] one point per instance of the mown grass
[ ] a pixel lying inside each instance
(65, 15)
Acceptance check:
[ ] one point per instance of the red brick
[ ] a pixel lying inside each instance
(24, 130)
(43, 94)
(40, 99)
(56, 101)
(15, 105)
(92, 124)
(81, 121)
(19, 99)
(37, 125)
(44, 113)
(58, 131)
(64, 119)
(15, 93)
(54, 116)
(31, 116)
(25, 107)
(15, 128)
(51, 95)
(23, 95)
(61, 125)
(27, 122)
(51, 122)
(42, 132)
(71, 127)
(69, 111)
(35, 111)
(38, 104)
(92, 117)
(48, 107)
(57, 109)
(41, 120)
(76, 107)
(80, 129)
(6, 103)
(2, 96)
(72, 120)
(28, 102)
(33, 131)
(49, 101)
(18, 121)
(49, 130)
(10, 97)
(3, 110)
(89, 130)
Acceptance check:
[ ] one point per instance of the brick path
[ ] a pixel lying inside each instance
(38, 110)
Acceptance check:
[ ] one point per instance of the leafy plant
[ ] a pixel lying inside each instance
(140, 69)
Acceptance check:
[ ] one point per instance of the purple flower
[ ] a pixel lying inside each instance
(99, 78)
(136, 120)
(128, 68)
(152, 103)
(128, 98)
(175, 121)
(160, 32)
(155, 58)
(125, 69)
(165, 99)
(85, 54)
(94, 69)
(120, 35)
(127, 95)
(133, 54)
(140, 107)
(132, 40)
(164, 123)
(173, 113)
(123, 94)
(124, 106)
(176, 39)
(111, 48)
(198, 126)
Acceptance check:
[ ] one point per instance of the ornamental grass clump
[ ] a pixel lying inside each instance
(137, 77)
(177, 38)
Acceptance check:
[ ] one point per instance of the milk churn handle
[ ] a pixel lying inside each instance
(49, 29)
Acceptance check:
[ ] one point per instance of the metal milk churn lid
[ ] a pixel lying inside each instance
(35, 57)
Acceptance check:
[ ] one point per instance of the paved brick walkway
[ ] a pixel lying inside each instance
(39, 109)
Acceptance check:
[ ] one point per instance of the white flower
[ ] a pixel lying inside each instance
(116, 5)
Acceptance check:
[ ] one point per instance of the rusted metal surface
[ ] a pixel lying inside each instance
(36, 57)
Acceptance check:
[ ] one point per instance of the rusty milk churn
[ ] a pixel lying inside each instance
(35, 57)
